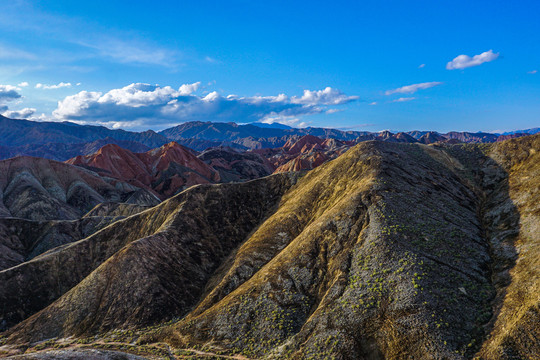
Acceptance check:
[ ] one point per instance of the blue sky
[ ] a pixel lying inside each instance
(369, 65)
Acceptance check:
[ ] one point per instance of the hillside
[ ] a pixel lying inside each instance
(390, 251)
(41, 189)
(173, 167)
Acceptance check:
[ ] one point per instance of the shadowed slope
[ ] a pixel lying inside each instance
(515, 331)
(21, 240)
(138, 271)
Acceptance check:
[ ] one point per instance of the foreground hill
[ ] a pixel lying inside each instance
(390, 251)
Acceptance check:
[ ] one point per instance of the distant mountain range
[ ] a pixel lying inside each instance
(527, 131)
(64, 140)
(25, 132)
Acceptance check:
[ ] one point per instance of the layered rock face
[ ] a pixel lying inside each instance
(304, 153)
(389, 251)
(41, 189)
(173, 168)
(163, 170)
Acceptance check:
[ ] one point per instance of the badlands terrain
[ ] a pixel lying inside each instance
(299, 244)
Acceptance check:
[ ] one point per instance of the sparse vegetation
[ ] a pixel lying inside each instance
(389, 251)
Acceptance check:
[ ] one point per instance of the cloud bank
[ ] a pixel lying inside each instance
(144, 105)
(465, 61)
(411, 89)
(9, 93)
(19, 114)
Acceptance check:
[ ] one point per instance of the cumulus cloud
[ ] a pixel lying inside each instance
(9, 93)
(328, 96)
(19, 114)
(465, 61)
(52, 87)
(532, 72)
(139, 105)
(23, 84)
(289, 121)
(404, 99)
(411, 89)
(421, 66)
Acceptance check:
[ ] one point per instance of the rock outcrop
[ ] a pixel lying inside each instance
(165, 170)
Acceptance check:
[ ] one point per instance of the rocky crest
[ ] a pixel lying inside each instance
(164, 170)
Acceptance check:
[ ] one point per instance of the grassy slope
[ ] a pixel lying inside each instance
(377, 254)
(515, 331)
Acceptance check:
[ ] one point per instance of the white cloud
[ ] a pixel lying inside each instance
(411, 89)
(373, 103)
(465, 61)
(532, 72)
(404, 99)
(41, 117)
(289, 121)
(187, 89)
(52, 87)
(19, 114)
(333, 111)
(9, 93)
(328, 96)
(138, 105)
(23, 84)
(421, 66)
